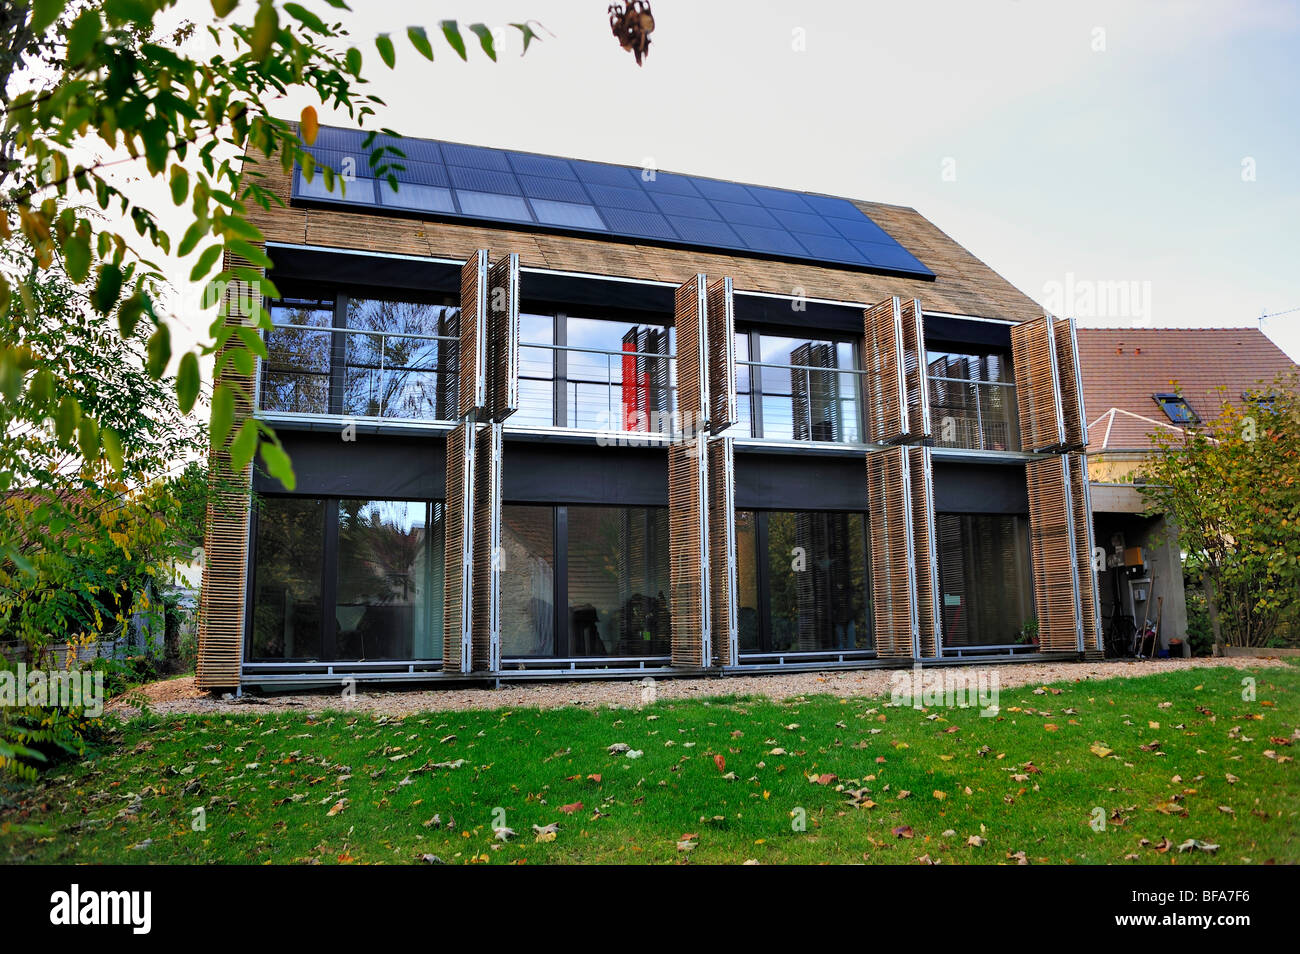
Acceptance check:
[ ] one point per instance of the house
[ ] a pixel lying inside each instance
(551, 417)
(1137, 382)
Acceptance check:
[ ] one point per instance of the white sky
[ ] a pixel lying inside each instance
(1072, 162)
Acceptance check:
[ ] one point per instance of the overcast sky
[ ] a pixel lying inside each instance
(1066, 144)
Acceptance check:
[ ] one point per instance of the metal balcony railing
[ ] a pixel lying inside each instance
(799, 402)
(385, 375)
(596, 389)
(977, 415)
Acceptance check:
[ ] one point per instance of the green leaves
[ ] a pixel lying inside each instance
(128, 316)
(112, 447)
(107, 288)
(205, 262)
(88, 438)
(244, 446)
(223, 414)
(180, 184)
(82, 37)
(223, 8)
(529, 34)
(384, 44)
(45, 12)
(159, 351)
(306, 17)
(265, 24)
(187, 381)
(353, 61)
(451, 30)
(76, 257)
(420, 40)
(278, 464)
(485, 40)
(67, 419)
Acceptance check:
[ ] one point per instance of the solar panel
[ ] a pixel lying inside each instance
(453, 180)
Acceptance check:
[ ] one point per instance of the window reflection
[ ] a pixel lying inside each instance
(972, 400)
(817, 581)
(396, 371)
(528, 581)
(290, 558)
(984, 574)
(296, 371)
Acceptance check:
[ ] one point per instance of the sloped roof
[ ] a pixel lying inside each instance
(1123, 368)
(962, 285)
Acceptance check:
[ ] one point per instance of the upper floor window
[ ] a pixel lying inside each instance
(973, 400)
(802, 389)
(364, 357)
(1176, 408)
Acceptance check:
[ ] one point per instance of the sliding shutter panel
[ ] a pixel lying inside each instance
(886, 387)
(1038, 389)
(915, 371)
(503, 338)
(893, 576)
(926, 554)
(722, 552)
(688, 544)
(473, 334)
(1054, 555)
(693, 401)
(1066, 342)
(458, 575)
(486, 616)
(225, 534)
(721, 342)
(1081, 505)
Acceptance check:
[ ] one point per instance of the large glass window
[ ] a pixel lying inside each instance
(395, 366)
(973, 400)
(536, 371)
(296, 372)
(799, 389)
(618, 581)
(528, 581)
(614, 376)
(985, 578)
(337, 580)
(817, 581)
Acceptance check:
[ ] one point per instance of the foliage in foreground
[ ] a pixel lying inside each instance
(1164, 759)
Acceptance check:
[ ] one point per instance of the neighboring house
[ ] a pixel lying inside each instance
(1138, 382)
(553, 417)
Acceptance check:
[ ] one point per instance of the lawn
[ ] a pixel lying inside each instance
(1164, 759)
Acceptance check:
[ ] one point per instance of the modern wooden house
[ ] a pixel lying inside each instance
(553, 417)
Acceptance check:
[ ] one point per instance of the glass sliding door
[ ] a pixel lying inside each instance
(528, 581)
(287, 573)
(985, 578)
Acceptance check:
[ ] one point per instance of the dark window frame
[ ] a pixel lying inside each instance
(1167, 399)
(754, 334)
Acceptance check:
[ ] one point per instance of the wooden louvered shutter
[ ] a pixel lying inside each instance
(1054, 552)
(898, 393)
(458, 573)
(503, 338)
(225, 534)
(1066, 343)
(721, 343)
(485, 620)
(688, 545)
(1081, 505)
(472, 357)
(1038, 388)
(893, 576)
(722, 552)
(693, 402)
(926, 554)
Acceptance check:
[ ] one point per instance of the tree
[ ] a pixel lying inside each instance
(76, 76)
(1232, 486)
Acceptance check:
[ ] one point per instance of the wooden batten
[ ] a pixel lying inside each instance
(721, 343)
(485, 621)
(1089, 603)
(1054, 552)
(1074, 416)
(926, 554)
(458, 551)
(691, 320)
(225, 536)
(688, 547)
(893, 569)
(724, 615)
(502, 344)
(896, 383)
(1035, 361)
(472, 356)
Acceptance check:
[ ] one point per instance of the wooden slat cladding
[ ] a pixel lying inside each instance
(458, 550)
(722, 552)
(721, 343)
(472, 355)
(693, 402)
(926, 551)
(225, 536)
(1081, 506)
(688, 547)
(503, 338)
(1038, 390)
(486, 617)
(893, 572)
(963, 284)
(1054, 554)
(915, 370)
(1071, 382)
(886, 397)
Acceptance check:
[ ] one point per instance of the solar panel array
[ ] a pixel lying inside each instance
(450, 180)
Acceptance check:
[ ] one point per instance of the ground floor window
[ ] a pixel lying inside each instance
(345, 579)
(985, 578)
(605, 568)
(802, 581)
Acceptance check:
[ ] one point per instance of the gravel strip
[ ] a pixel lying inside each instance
(180, 697)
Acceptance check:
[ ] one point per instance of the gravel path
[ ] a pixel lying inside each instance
(181, 697)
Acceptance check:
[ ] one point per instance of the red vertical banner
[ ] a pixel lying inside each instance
(631, 385)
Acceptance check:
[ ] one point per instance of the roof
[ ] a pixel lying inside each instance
(963, 285)
(1124, 368)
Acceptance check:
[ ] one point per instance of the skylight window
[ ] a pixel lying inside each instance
(1264, 400)
(1176, 408)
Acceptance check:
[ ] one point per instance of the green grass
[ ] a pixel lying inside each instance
(268, 784)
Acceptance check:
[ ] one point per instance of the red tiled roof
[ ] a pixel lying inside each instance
(1123, 368)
